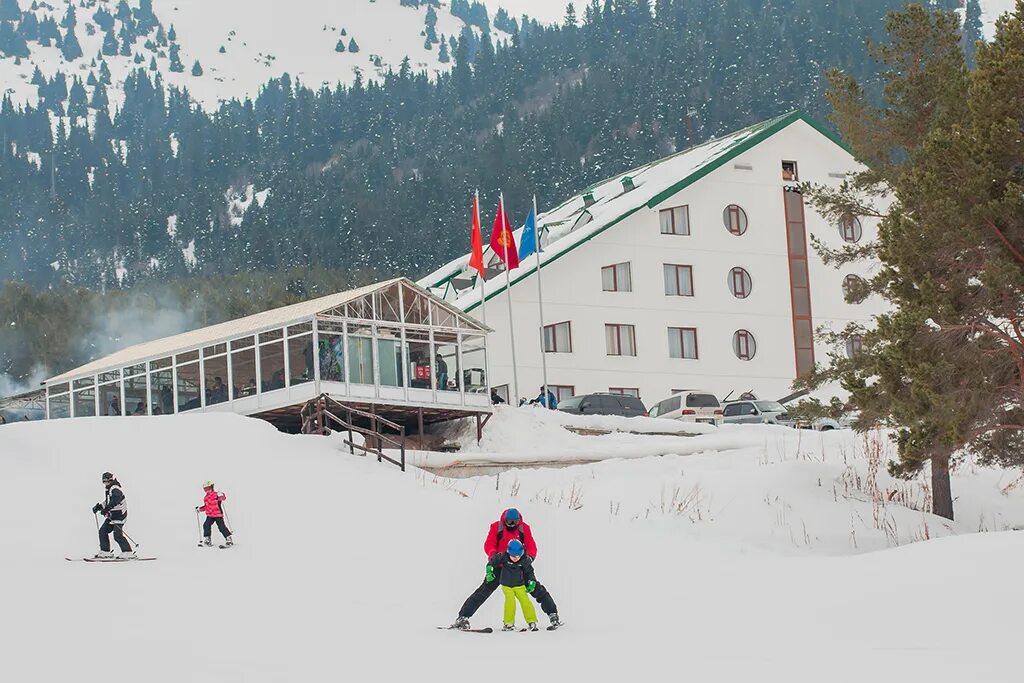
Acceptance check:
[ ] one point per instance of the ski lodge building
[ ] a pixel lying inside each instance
(692, 272)
(390, 349)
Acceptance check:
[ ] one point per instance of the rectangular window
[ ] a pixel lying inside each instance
(675, 221)
(562, 391)
(558, 338)
(620, 340)
(624, 391)
(617, 278)
(678, 280)
(740, 280)
(744, 345)
(789, 172)
(682, 342)
(502, 392)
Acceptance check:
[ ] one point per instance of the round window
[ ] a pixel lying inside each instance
(740, 283)
(735, 219)
(854, 289)
(851, 229)
(854, 345)
(743, 345)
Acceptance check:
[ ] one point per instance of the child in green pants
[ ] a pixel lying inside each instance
(517, 582)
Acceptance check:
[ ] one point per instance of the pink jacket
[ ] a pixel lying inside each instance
(211, 503)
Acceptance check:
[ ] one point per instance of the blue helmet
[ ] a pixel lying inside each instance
(512, 518)
(515, 548)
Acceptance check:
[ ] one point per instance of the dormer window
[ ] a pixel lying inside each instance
(789, 172)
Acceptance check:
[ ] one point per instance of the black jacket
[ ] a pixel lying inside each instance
(114, 506)
(513, 574)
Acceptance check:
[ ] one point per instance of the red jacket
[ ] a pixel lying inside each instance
(522, 532)
(211, 503)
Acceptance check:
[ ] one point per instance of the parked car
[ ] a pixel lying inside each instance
(692, 405)
(757, 412)
(603, 404)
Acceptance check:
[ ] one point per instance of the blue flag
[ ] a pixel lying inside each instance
(528, 242)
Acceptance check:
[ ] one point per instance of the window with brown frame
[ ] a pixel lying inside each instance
(675, 221)
(678, 280)
(743, 345)
(682, 342)
(854, 289)
(851, 229)
(740, 283)
(624, 391)
(789, 172)
(617, 278)
(562, 391)
(854, 345)
(558, 338)
(735, 219)
(620, 340)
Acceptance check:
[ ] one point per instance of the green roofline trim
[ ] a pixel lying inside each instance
(770, 128)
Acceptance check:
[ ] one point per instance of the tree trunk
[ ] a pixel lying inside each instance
(942, 494)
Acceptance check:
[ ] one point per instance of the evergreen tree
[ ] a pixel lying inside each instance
(29, 27)
(77, 103)
(197, 69)
(172, 35)
(973, 30)
(9, 10)
(110, 45)
(339, 46)
(353, 46)
(176, 65)
(431, 25)
(71, 49)
(104, 73)
(11, 42)
(70, 19)
(222, 50)
(104, 19)
(442, 54)
(152, 64)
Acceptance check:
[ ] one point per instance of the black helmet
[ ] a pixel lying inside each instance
(107, 476)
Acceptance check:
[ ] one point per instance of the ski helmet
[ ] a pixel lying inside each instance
(515, 548)
(208, 484)
(512, 518)
(107, 476)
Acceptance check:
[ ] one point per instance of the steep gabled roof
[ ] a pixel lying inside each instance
(216, 334)
(574, 223)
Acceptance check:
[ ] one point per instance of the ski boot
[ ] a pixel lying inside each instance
(130, 555)
(533, 626)
(208, 542)
(462, 623)
(228, 542)
(103, 555)
(555, 621)
(508, 627)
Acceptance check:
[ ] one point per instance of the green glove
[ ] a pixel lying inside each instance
(530, 586)
(490, 574)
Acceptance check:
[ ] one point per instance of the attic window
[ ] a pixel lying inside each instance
(627, 184)
(588, 199)
(789, 172)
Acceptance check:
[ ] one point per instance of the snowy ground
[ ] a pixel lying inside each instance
(344, 566)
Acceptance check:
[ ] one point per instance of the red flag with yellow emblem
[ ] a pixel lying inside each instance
(503, 242)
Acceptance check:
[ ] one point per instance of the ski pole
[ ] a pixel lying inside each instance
(199, 525)
(227, 522)
(134, 542)
(96, 518)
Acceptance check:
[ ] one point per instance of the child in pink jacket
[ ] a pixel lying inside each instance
(214, 514)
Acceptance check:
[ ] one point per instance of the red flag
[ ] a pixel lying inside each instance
(503, 242)
(476, 257)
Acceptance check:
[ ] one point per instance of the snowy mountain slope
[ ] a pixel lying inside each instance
(262, 39)
(344, 567)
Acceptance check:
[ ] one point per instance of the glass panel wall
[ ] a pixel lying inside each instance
(300, 354)
(474, 359)
(188, 378)
(446, 361)
(418, 344)
(243, 369)
(135, 393)
(388, 305)
(272, 365)
(360, 354)
(161, 387)
(332, 351)
(389, 356)
(85, 401)
(417, 307)
(110, 399)
(60, 406)
(215, 373)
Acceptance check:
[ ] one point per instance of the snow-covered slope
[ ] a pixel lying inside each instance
(344, 567)
(261, 39)
(992, 10)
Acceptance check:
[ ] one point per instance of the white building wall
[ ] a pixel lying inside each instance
(573, 288)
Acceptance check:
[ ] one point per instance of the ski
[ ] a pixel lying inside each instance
(555, 628)
(109, 559)
(225, 547)
(486, 629)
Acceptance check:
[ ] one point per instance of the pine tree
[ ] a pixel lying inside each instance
(973, 30)
(222, 50)
(176, 65)
(9, 10)
(353, 46)
(442, 54)
(152, 64)
(110, 46)
(99, 98)
(197, 69)
(70, 19)
(172, 35)
(104, 73)
(71, 49)
(77, 102)
(12, 44)
(339, 46)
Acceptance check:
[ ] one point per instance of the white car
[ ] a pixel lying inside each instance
(691, 405)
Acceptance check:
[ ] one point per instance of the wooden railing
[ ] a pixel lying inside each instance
(323, 415)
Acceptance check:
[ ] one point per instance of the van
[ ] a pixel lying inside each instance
(691, 405)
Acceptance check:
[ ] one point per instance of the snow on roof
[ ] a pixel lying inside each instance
(214, 334)
(574, 222)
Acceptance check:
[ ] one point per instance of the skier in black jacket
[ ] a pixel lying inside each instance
(115, 509)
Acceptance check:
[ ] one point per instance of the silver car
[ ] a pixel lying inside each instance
(757, 412)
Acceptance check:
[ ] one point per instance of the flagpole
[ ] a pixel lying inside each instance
(508, 295)
(540, 302)
(483, 280)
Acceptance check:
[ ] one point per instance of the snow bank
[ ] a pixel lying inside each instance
(344, 566)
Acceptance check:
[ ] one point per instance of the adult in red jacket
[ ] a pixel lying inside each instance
(509, 527)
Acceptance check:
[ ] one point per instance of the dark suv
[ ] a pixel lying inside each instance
(603, 404)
